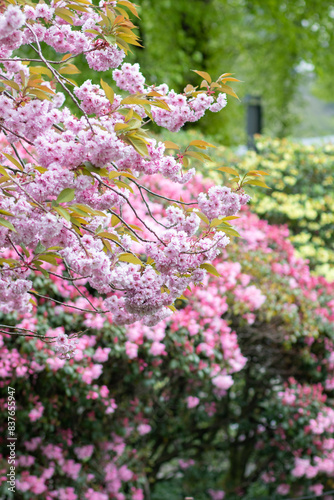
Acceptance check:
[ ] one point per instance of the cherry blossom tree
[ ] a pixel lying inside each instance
(75, 163)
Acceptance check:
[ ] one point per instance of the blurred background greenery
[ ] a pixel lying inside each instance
(281, 50)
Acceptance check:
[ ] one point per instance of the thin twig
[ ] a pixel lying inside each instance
(50, 62)
(17, 135)
(55, 73)
(77, 289)
(134, 211)
(28, 152)
(160, 196)
(35, 294)
(149, 211)
(31, 334)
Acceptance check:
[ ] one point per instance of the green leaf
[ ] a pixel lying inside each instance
(24, 249)
(65, 15)
(107, 235)
(32, 301)
(42, 170)
(256, 182)
(14, 161)
(139, 146)
(132, 124)
(122, 184)
(39, 268)
(66, 195)
(110, 94)
(203, 217)
(228, 90)
(228, 230)
(61, 211)
(87, 210)
(77, 211)
(211, 269)
(80, 8)
(256, 172)
(69, 69)
(50, 258)
(4, 172)
(171, 145)
(6, 223)
(135, 100)
(201, 144)
(229, 170)
(39, 248)
(215, 222)
(40, 94)
(46, 258)
(110, 38)
(112, 175)
(230, 217)
(115, 220)
(10, 262)
(160, 104)
(197, 155)
(128, 257)
(204, 75)
(94, 32)
(11, 84)
(129, 5)
(4, 212)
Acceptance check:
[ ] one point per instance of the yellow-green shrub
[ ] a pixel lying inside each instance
(302, 196)
(301, 178)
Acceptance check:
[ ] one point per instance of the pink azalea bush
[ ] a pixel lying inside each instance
(244, 368)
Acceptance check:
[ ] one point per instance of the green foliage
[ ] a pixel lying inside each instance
(263, 42)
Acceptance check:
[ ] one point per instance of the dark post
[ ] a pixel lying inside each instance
(254, 119)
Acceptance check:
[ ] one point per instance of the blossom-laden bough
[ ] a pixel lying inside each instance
(70, 181)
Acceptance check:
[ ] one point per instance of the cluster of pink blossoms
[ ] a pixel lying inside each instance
(182, 109)
(65, 346)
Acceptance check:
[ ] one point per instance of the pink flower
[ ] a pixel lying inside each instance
(71, 468)
(84, 452)
(317, 489)
(216, 494)
(101, 354)
(283, 489)
(158, 348)
(66, 494)
(223, 381)
(192, 401)
(36, 413)
(137, 494)
(144, 429)
(131, 349)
